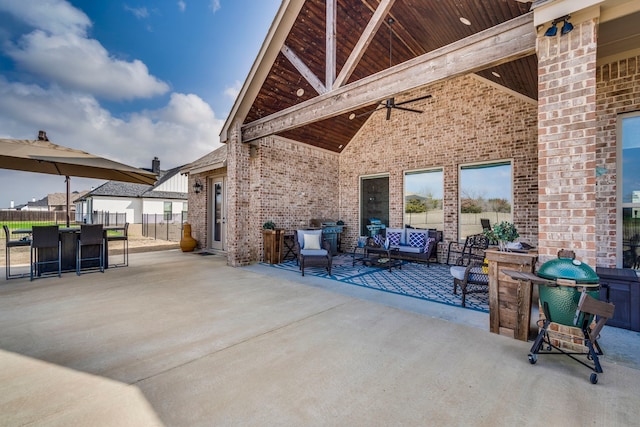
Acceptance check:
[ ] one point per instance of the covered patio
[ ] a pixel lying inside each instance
(190, 341)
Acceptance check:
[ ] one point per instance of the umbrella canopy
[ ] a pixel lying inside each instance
(43, 156)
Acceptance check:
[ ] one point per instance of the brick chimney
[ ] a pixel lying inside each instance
(42, 136)
(155, 165)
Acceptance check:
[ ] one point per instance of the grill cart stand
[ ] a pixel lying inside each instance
(561, 301)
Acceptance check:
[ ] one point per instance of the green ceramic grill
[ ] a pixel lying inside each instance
(562, 301)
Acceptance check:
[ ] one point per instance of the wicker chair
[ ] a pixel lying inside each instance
(316, 255)
(90, 236)
(12, 244)
(45, 240)
(473, 278)
(473, 249)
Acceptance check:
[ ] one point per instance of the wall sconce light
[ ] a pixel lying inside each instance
(567, 27)
(197, 187)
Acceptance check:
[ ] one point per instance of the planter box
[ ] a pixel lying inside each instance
(273, 244)
(510, 299)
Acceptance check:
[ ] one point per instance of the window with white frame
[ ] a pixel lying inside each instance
(423, 194)
(168, 211)
(486, 192)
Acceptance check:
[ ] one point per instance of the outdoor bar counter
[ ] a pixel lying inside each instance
(510, 299)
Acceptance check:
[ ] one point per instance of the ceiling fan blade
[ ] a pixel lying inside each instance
(413, 100)
(367, 113)
(408, 109)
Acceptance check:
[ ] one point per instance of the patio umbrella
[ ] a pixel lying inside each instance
(42, 156)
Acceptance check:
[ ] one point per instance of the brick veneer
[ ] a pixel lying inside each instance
(466, 121)
(618, 91)
(567, 142)
(280, 180)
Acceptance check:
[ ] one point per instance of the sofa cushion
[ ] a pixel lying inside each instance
(313, 252)
(409, 249)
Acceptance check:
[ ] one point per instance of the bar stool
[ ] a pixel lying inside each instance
(90, 235)
(12, 244)
(124, 238)
(45, 237)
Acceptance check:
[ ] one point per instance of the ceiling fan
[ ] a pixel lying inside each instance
(390, 104)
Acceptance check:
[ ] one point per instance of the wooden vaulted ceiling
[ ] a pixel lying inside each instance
(419, 27)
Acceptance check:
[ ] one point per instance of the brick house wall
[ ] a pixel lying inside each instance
(618, 92)
(467, 120)
(279, 180)
(567, 142)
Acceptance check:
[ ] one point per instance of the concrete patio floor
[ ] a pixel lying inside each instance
(181, 339)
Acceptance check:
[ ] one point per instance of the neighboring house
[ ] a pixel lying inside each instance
(514, 119)
(167, 198)
(55, 202)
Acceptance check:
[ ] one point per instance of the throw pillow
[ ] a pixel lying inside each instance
(416, 240)
(427, 243)
(485, 268)
(311, 241)
(378, 240)
(394, 238)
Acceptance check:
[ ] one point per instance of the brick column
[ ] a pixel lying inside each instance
(567, 142)
(238, 206)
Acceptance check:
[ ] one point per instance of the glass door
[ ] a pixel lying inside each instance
(629, 185)
(218, 214)
(374, 202)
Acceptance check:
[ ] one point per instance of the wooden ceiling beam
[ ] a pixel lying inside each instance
(363, 42)
(330, 60)
(303, 69)
(505, 42)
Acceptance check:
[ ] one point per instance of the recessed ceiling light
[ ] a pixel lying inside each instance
(340, 147)
(496, 74)
(352, 116)
(465, 21)
(300, 92)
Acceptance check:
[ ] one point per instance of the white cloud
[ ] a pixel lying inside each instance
(182, 6)
(233, 91)
(178, 133)
(60, 51)
(138, 12)
(53, 16)
(215, 5)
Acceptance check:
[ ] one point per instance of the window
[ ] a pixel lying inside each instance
(168, 210)
(485, 193)
(629, 185)
(423, 192)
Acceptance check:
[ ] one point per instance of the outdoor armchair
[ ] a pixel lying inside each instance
(312, 250)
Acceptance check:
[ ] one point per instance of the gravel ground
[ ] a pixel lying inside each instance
(136, 244)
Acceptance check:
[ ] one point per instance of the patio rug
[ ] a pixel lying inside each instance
(433, 283)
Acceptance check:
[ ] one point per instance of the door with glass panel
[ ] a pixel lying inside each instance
(629, 190)
(218, 212)
(374, 202)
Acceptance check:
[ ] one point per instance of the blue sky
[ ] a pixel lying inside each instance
(128, 80)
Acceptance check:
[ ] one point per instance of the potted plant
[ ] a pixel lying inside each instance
(269, 225)
(503, 233)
